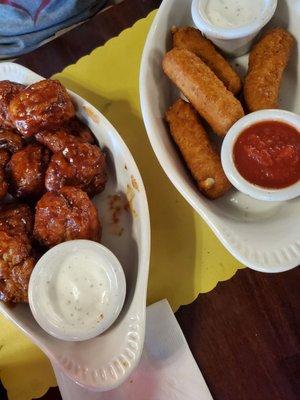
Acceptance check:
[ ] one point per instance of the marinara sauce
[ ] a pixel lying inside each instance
(267, 154)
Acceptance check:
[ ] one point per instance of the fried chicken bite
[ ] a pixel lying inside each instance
(10, 140)
(26, 171)
(16, 265)
(4, 157)
(82, 165)
(56, 140)
(7, 92)
(16, 218)
(66, 215)
(43, 105)
(3, 184)
(73, 131)
(79, 129)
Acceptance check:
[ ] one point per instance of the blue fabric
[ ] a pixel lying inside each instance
(25, 23)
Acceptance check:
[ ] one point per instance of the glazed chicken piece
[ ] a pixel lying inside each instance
(79, 129)
(26, 171)
(72, 132)
(82, 165)
(10, 140)
(66, 215)
(16, 218)
(3, 184)
(7, 92)
(16, 265)
(43, 105)
(4, 157)
(17, 258)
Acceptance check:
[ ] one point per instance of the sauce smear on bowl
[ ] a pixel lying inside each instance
(267, 154)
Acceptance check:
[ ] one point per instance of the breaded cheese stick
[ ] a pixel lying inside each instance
(216, 104)
(267, 61)
(193, 143)
(191, 39)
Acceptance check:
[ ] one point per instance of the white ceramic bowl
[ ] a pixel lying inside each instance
(45, 277)
(234, 41)
(257, 192)
(104, 362)
(262, 235)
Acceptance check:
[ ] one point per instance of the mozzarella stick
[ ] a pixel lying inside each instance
(192, 39)
(267, 62)
(216, 104)
(193, 143)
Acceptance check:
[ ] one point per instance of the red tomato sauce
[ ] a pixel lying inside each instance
(267, 154)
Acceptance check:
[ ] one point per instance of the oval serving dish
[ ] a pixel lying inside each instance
(263, 236)
(104, 362)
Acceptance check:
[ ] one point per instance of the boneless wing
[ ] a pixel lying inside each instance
(16, 218)
(8, 90)
(10, 140)
(16, 265)
(45, 104)
(4, 158)
(66, 215)
(82, 165)
(26, 171)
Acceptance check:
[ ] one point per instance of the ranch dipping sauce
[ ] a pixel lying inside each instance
(78, 294)
(233, 13)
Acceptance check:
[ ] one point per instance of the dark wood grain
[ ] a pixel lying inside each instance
(244, 334)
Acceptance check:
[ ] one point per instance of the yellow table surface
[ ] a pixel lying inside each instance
(186, 257)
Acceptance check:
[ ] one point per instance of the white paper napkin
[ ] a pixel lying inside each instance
(167, 370)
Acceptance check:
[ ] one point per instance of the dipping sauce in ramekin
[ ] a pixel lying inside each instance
(232, 24)
(77, 290)
(267, 154)
(261, 155)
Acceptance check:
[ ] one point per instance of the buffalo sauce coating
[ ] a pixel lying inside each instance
(267, 154)
(43, 105)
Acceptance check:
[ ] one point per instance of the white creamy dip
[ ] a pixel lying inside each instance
(233, 13)
(77, 294)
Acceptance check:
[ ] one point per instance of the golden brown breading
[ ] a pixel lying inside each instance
(80, 164)
(43, 105)
(191, 39)
(267, 62)
(200, 156)
(26, 171)
(216, 104)
(7, 91)
(66, 215)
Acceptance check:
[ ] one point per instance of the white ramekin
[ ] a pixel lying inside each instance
(42, 272)
(234, 41)
(230, 169)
